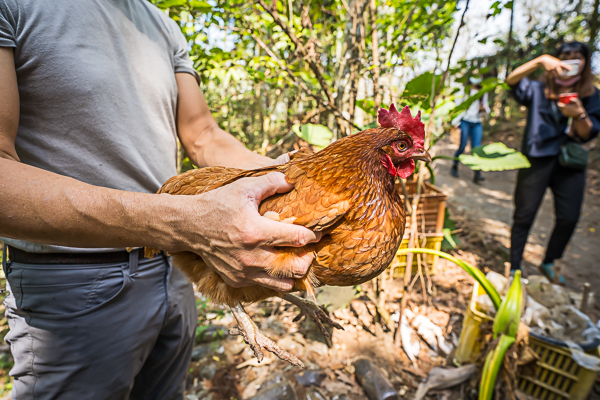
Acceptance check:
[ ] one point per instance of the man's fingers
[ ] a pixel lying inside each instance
(282, 159)
(278, 284)
(268, 185)
(280, 234)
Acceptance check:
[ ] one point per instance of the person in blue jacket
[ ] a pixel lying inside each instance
(551, 124)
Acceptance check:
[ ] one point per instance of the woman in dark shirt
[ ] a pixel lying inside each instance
(550, 125)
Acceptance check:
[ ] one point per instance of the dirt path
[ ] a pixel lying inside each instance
(490, 207)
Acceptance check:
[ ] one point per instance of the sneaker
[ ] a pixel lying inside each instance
(454, 171)
(478, 177)
(549, 270)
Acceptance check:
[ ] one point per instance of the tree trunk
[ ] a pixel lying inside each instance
(594, 24)
(350, 74)
(508, 53)
(375, 52)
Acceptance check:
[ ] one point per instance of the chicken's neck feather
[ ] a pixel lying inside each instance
(352, 167)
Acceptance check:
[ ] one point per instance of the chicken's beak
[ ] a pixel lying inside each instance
(421, 154)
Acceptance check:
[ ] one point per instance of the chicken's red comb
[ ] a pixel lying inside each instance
(403, 121)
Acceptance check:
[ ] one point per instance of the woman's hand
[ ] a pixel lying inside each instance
(553, 65)
(549, 63)
(573, 109)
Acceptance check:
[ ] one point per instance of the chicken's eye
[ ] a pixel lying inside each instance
(402, 146)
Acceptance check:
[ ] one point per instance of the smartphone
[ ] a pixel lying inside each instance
(574, 64)
(566, 98)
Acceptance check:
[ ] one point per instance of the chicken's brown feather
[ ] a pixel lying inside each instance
(348, 197)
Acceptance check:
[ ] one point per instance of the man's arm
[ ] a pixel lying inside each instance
(205, 143)
(44, 207)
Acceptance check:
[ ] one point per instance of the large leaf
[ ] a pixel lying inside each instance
(418, 90)
(200, 5)
(316, 135)
(171, 3)
(494, 157)
(367, 105)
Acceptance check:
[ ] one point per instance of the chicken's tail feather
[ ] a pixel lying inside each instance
(211, 285)
(150, 252)
(308, 284)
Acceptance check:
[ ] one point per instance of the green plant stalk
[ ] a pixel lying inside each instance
(431, 173)
(492, 366)
(509, 314)
(470, 269)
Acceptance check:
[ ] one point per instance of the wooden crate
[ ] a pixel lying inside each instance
(431, 208)
(430, 222)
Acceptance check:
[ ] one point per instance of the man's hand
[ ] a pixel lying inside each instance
(284, 158)
(235, 240)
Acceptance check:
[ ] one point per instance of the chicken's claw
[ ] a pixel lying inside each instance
(315, 312)
(257, 340)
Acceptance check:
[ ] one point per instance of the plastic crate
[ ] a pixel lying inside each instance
(433, 241)
(557, 375)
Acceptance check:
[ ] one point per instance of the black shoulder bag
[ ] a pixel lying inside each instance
(572, 154)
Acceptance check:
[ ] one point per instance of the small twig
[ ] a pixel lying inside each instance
(381, 311)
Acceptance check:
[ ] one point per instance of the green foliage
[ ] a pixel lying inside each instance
(450, 241)
(418, 91)
(470, 269)
(506, 324)
(491, 367)
(264, 70)
(316, 135)
(367, 105)
(488, 85)
(494, 157)
(509, 314)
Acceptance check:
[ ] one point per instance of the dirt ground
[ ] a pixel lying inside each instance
(226, 368)
(488, 209)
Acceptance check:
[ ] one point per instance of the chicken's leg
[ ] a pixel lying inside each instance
(257, 341)
(314, 311)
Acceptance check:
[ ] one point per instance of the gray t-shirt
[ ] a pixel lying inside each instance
(97, 89)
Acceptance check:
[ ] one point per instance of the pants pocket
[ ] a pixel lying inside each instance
(64, 291)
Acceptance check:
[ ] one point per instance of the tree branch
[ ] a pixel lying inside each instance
(295, 80)
(301, 49)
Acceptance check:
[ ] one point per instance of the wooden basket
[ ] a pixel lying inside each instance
(430, 222)
(431, 208)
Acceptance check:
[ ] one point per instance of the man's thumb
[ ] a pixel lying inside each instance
(270, 184)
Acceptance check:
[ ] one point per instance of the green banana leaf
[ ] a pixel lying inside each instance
(492, 367)
(506, 323)
(494, 157)
(509, 314)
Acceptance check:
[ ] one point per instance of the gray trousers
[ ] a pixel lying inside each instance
(104, 331)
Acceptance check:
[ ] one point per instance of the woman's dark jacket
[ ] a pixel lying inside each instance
(543, 137)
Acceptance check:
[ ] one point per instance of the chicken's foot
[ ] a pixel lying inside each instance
(315, 312)
(255, 338)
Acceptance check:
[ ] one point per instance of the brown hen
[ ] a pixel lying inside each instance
(346, 191)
